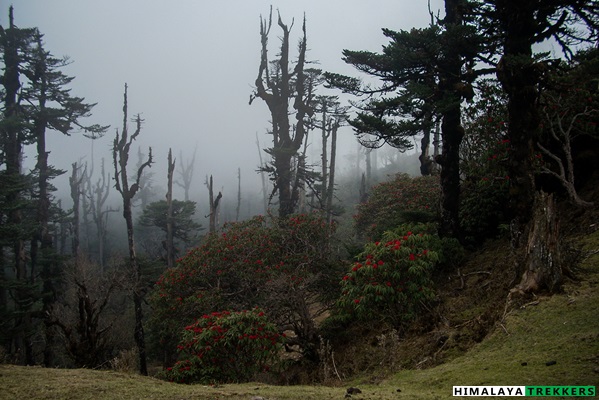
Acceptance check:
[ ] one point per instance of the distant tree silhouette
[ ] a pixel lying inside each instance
(120, 151)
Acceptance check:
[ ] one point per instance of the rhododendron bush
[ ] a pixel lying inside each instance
(226, 347)
(391, 279)
(281, 265)
(401, 200)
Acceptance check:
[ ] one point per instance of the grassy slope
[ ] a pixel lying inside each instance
(563, 328)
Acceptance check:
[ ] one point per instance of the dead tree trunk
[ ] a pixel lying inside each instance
(75, 183)
(98, 196)
(86, 209)
(237, 210)
(170, 245)
(120, 152)
(213, 204)
(427, 165)
(186, 172)
(262, 177)
(331, 184)
(562, 127)
(542, 258)
(277, 88)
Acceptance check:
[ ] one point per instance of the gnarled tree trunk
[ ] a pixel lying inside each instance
(542, 264)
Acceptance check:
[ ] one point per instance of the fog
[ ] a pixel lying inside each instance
(190, 67)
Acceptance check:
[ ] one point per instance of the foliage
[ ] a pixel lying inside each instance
(535, 336)
(391, 279)
(35, 100)
(226, 347)
(155, 214)
(396, 202)
(281, 265)
(403, 106)
(484, 156)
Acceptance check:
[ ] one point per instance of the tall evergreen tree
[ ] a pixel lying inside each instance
(518, 26)
(36, 100)
(14, 129)
(425, 75)
(50, 107)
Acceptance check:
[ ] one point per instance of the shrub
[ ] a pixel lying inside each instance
(483, 208)
(484, 155)
(392, 277)
(282, 265)
(399, 201)
(226, 347)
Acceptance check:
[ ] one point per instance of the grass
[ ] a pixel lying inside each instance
(563, 328)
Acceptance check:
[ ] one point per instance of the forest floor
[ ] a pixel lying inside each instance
(478, 335)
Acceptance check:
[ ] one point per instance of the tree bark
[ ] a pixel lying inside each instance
(451, 129)
(532, 214)
(542, 256)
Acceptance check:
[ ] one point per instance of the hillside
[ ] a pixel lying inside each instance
(486, 342)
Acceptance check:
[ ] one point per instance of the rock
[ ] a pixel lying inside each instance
(353, 390)
(549, 363)
(524, 364)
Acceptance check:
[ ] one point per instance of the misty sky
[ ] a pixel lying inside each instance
(190, 67)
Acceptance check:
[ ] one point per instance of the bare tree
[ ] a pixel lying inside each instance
(213, 204)
(81, 315)
(75, 182)
(145, 192)
(278, 88)
(563, 121)
(332, 117)
(120, 152)
(238, 194)
(330, 189)
(98, 195)
(186, 172)
(170, 245)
